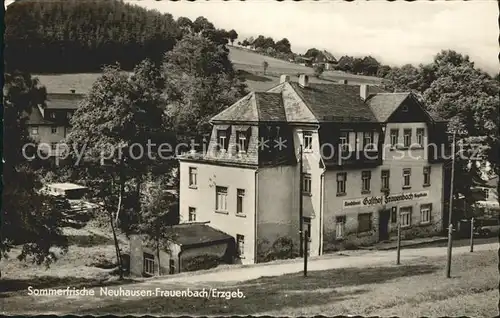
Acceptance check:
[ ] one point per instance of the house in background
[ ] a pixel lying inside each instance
(326, 58)
(50, 123)
(193, 246)
(485, 192)
(358, 179)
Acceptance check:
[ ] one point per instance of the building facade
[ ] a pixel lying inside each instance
(49, 124)
(342, 163)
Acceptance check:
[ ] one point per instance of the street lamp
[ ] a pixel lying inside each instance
(450, 208)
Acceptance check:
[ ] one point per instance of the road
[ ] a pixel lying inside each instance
(459, 242)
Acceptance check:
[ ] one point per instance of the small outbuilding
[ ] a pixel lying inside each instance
(193, 246)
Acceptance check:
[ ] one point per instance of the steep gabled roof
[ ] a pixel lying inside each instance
(332, 102)
(329, 56)
(63, 101)
(243, 110)
(384, 104)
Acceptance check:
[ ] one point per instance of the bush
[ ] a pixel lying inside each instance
(282, 248)
(200, 262)
(319, 69)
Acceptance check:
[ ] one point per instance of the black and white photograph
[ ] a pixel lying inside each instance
(250, 158)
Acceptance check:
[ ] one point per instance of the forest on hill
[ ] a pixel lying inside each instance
(84, 35)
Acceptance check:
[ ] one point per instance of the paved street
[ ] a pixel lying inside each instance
(372, 258)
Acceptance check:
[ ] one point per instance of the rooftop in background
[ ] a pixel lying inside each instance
(64, 83)
(63, 101)
(292, 103)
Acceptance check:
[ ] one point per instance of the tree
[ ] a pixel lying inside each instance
(185, 24)
(283, 46)
(158, 213)
(313, 52)
(201, 82)
(202, 24)
(232, 35)
(108, 32)
(115, 122)
(383, 70)
(319, 69)
(456, 90)
(29, 218)
(265, 65)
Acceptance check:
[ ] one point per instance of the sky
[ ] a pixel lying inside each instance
(395, 33)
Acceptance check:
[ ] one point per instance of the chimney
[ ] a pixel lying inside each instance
(343, 81)
(284, 78)
(72, 91)
(303, 80)
(363, 91)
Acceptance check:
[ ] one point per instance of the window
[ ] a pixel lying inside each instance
(368, 141)
(307, 135)
(394, 137)
(192, 214)
(364, 222)
(427, 176)
(486, 193)
(222, 140)
(240, 241)
(148, 266)
(385, 180)
(193, 177)
(242, 141)
(53, 145)
(239, 201)
(404, 108)
(341, 183)
(406, 178)
(221, 199)
(306, 183)
(52, 115)
(420, 136)
(425, 213)
(53, 130)
(340, 227)
(394, 215)
(405, 216)
(34, 130)
(344, 140)
(365, 181)
(407, 138)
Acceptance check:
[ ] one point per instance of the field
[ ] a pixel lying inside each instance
(247, 63)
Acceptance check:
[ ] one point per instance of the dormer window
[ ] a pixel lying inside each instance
(368, 141)
(307, 136)
(222, 139)
(344, 141)
(242, 140)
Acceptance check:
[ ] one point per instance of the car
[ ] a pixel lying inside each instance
(487, 227)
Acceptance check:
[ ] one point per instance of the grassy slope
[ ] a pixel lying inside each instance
(248, 63)
(417, 288)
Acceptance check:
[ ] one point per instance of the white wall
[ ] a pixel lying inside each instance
(203, 199)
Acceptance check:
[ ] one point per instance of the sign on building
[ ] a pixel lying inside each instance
(381, 200)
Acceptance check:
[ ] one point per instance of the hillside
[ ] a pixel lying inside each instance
(248, 64)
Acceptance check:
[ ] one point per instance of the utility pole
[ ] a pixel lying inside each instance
(450, 226)
(398, 255)
(301, 240)
(472, 234)
(306, 250)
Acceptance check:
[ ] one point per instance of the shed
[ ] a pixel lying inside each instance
(193, 246)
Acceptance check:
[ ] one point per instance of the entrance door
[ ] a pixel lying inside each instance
(383, 225)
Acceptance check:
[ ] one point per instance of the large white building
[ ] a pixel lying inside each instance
(388, 168)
